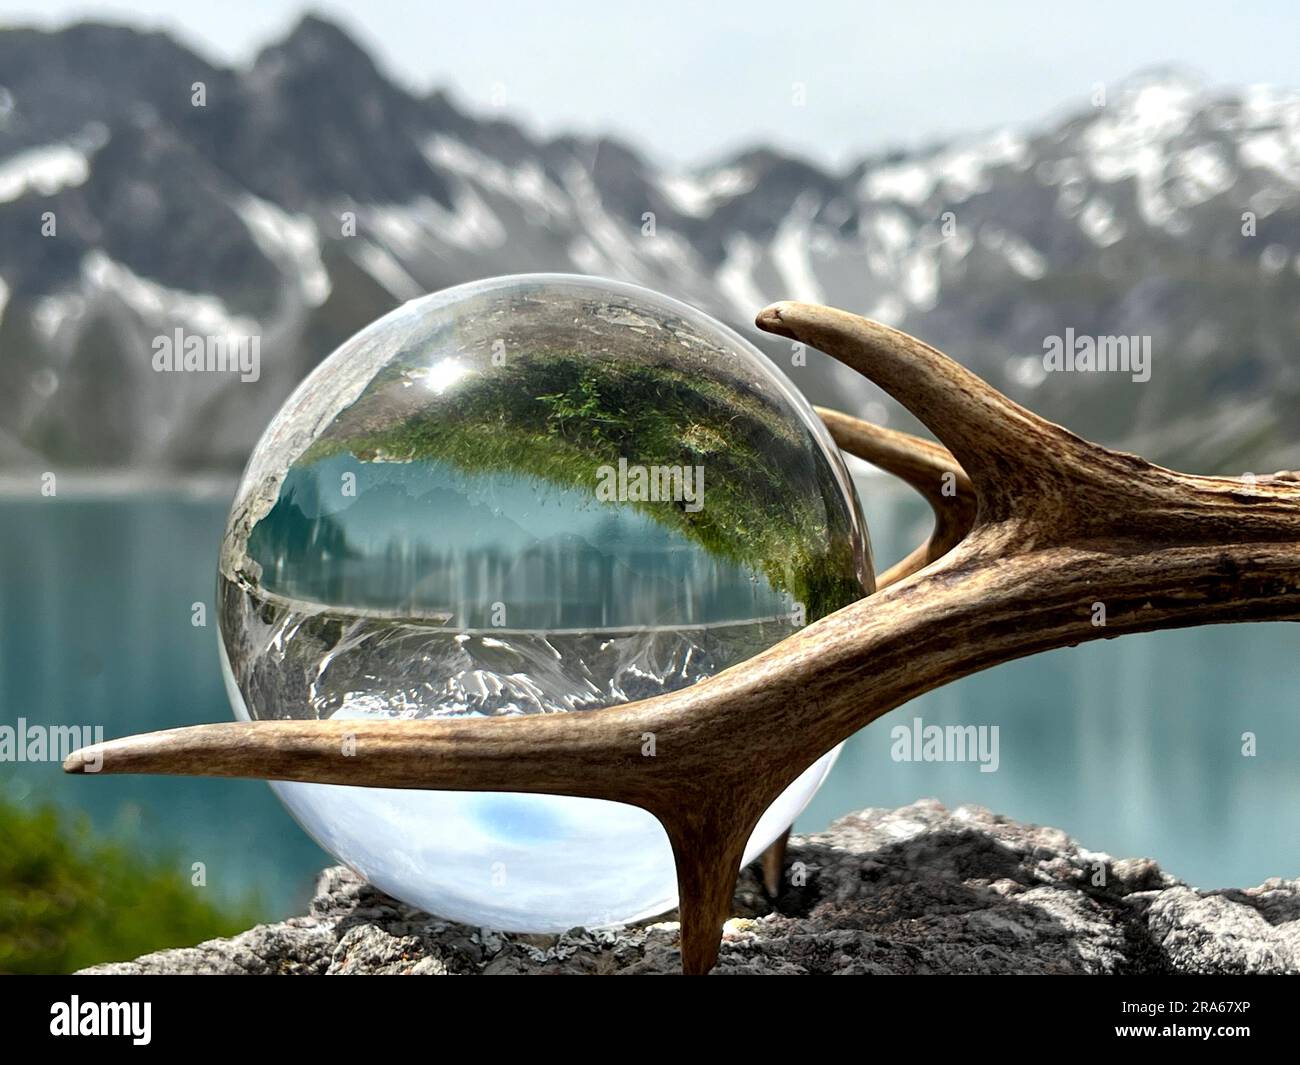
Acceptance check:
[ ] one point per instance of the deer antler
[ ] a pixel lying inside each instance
(1059, 525)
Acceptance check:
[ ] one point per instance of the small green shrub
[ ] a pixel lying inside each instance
(68, 900)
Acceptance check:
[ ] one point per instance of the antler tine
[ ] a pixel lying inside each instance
(926, 466)
(1052, 485)
(985, 431)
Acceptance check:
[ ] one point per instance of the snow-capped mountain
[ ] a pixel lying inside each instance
(309, 194)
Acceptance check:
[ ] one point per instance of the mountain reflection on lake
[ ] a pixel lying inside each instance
(1133, 746)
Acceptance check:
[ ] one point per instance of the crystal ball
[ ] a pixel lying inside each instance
(539, 494)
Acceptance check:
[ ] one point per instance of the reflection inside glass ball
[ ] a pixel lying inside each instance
(529, 495)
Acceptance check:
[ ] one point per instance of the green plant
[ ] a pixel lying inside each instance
(68, 900)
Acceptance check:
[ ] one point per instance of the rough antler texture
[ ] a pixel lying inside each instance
(1059, 525)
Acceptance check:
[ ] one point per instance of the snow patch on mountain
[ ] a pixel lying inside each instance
(292, 242)
(384, 269)
(955, 174)
(200, 312)
(42, 171)
(699, 195)
(735, 277)
(526, 184)
(791, 251)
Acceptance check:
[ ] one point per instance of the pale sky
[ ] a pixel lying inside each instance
(688, 80)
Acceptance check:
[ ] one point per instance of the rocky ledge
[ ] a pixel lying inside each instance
(920, 889)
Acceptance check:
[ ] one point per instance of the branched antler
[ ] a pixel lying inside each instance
(1056, 524)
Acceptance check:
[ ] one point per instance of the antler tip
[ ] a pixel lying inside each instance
(771, 318)
(78, 761)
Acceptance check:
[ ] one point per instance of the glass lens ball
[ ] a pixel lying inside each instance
(529, 495)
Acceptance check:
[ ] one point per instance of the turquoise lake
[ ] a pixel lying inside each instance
(1133, 746)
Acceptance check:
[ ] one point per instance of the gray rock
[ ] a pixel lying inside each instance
(920, 889)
